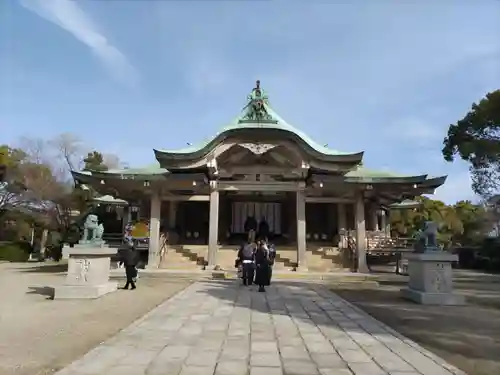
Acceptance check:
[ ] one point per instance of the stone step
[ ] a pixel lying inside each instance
(181, 266)
(322, 259)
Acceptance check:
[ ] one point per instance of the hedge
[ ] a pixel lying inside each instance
(18, 251)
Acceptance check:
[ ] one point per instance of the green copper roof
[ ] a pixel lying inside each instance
(109, 199)
(365, 172)
(406, 204)
(365, 175)
(151, 170)
(258, 114)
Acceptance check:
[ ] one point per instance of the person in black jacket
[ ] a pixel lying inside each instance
(246, 259)
(272, 256)
(250, 224)
(262, 263)
(263, 231)
(130, 259)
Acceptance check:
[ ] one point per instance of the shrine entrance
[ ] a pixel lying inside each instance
(275, 209)
(268, 211)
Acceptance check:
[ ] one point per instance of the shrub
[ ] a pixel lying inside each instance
(18, 251)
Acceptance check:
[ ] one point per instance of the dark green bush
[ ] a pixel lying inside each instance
(18, 251)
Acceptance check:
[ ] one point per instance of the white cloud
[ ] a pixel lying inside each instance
(70, 17)
(457, 187)
(203, 72)
(413, 129)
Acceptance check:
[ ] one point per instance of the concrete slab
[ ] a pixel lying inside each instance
(221, 327)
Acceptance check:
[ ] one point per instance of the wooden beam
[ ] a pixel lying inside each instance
(186, 198)
(328, 200)
(257, 186)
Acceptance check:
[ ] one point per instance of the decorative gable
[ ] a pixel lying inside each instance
(256, 110)
(258, 148)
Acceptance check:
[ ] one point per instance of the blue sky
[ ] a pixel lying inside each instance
(386, 77)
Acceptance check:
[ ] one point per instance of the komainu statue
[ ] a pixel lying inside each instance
(427, 238)
(92, 230)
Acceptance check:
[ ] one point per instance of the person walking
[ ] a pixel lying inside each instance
(262, 264)
(130, 260)
(246, 257)
(263, 229)
(250, 224)
(272, 256)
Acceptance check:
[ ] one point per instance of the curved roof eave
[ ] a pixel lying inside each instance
(386, 179)
(434, 182)
(110, 200)
(201, 151)
(406, 204)
(121, 174)
(259, 115)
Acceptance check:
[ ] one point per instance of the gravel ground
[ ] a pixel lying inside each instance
(39, 336)
(465, 336)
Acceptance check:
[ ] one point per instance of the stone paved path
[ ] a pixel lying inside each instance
(223, 328)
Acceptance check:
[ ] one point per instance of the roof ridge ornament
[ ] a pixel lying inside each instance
(256, 109)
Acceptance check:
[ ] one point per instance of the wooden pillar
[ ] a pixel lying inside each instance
(361, 233)
(374, 213)
(342, 225)
(386, 222)
(301, 229)
(383, 225)
(172, 214)
(154, 230)
(213, 225)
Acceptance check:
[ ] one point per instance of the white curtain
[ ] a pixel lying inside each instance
(270, 211)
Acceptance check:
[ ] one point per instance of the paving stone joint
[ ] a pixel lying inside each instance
(223, 328)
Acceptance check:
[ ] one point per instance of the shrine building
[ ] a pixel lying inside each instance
(316, 201)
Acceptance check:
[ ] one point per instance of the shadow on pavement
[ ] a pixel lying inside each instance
(42, 291)
(46, 268)
(465, 336)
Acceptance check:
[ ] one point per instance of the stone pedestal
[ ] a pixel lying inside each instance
(431, 279)
(88, 272)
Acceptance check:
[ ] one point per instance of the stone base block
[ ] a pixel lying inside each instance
(84, 291)
(442, 299)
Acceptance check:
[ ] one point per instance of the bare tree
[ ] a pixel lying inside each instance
(41, 180)
(112, 161)
(35, 149)
(69, 151)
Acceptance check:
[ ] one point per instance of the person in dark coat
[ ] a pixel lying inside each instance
(246, 256)
(272, 257)
(250, 224)
(262, 264)
(130, 259)
(263, 232)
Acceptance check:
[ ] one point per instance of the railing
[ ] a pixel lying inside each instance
(112, 237)
(378, 245)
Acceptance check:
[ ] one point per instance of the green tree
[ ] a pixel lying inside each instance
(13, 187)
(94, 162)
(474, 221)
(406, 223)
(476, 139)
